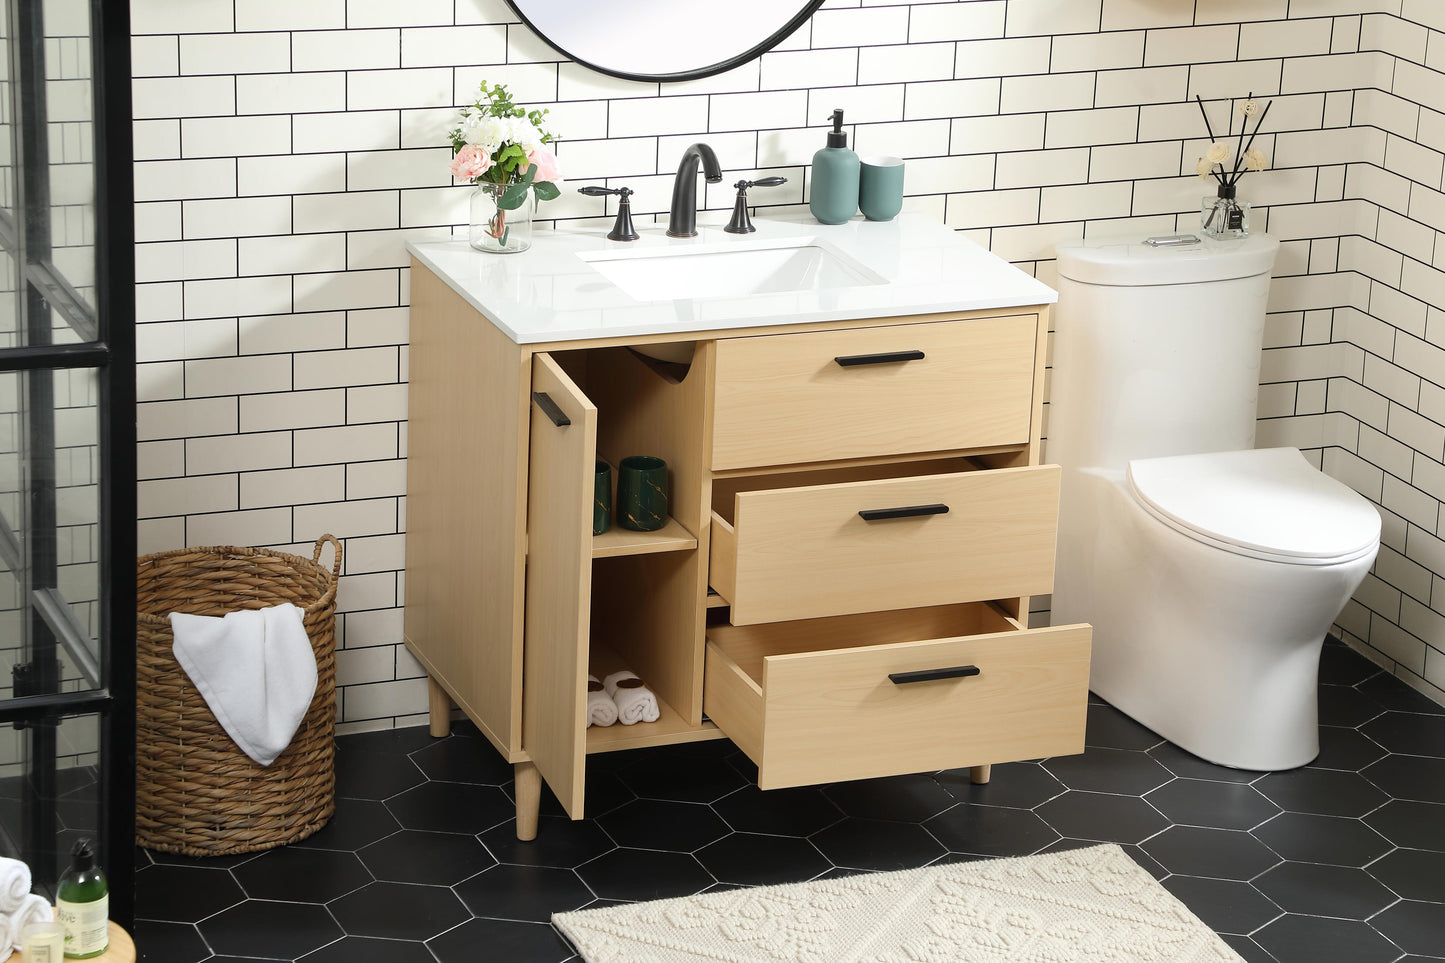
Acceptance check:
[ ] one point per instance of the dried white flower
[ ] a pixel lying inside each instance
(1249, 108)
(1256, 159)
(1203, 168)
(1218, 152)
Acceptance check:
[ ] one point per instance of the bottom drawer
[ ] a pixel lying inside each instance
(886, 693)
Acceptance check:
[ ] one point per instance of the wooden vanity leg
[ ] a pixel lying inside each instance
(439, 708)
(528, 790)
(978, 775)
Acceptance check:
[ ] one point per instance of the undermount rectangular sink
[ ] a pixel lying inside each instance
(730, 270)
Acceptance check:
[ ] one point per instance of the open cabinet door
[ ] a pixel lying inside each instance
(559, 580)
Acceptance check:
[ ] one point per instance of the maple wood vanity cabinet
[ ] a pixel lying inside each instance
(859, 514)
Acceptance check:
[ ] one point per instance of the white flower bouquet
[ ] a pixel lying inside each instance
(503, 149)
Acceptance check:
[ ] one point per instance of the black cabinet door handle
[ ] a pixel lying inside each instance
(907, 511)
(550, 409)
(883, 357)
(932, 675)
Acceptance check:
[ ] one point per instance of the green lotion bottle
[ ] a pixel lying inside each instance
(82, 905)
(834, 197)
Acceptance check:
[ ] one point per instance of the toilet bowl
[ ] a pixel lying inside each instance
(1210, 570)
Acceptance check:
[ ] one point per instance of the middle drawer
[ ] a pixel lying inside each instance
(895, 543)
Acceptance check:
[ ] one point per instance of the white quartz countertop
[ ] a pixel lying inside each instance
(552, 293)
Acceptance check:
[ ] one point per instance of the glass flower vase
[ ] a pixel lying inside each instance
(496, 230)
(1224, 215)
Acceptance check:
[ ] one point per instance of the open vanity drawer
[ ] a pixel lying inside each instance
(830, 699)
(892, 543)
(866, 392)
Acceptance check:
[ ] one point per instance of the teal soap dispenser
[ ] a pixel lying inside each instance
(835, 177)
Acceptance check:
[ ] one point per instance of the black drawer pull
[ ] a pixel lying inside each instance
(883, 357)
(908, 511)
(550, 409)
(932, 675)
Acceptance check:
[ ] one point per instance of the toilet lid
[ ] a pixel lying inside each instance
(1268, 503)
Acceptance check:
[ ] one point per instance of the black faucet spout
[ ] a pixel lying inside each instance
(682, 222)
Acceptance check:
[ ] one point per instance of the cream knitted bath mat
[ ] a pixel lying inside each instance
(1091, 904)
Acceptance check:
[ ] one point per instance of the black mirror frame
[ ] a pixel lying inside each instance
(755, 51)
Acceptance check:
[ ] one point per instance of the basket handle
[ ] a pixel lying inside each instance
(316, 554)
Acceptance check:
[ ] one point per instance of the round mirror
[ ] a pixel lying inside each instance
(662, 39)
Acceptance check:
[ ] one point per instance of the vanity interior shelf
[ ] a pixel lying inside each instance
(672, 537)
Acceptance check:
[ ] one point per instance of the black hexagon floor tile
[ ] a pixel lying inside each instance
(1416, 927)
(1416, 825)
(1121, 771)
(1408, 733)
(399, 911)
(501, 940)
(159, 942)
(1391, 693)
(1102, 816)
(1213, 853)
(355, 823)
(1225, 905)
(783, 812)
(1108, 728)
(559, 842)
(1409, 777)
(1324, 792)
(363, 949)
(456, 759)
(750, 859)
(297, 875)
(1190, 766)
(1335, 840)
(991, 831)
(673, 772)
(374, 775)
(184, 894)
(638, 874)
(452, 807)
(1414, 874)
(1341, 705)
(1218, 805)
(1019, 785)
(1337, 891)
(528, 893)
(414, 856)
(266, 929)
(1347, 749)
(681, 827)
(913, 798)
(877, 844)
(1342, 665)
(1310, 939)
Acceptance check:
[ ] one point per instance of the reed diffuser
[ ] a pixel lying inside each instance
(1224, 214)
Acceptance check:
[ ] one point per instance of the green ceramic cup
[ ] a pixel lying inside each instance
(880, 187)
(601, 497)
(642, 493)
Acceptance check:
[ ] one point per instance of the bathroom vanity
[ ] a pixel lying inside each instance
(859, 512)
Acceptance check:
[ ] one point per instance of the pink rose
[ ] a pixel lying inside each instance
(546, 161)
(470, 162)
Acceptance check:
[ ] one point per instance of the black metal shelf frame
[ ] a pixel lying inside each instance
(101, 338)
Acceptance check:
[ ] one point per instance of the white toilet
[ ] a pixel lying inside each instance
(1210, 571)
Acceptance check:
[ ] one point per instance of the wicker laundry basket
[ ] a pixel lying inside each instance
(197, 793)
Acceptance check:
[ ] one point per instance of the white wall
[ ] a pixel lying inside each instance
(285, 151)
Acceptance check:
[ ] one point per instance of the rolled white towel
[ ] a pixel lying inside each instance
(635, 701)
(34, 908)
(601, 710)
(14, 884)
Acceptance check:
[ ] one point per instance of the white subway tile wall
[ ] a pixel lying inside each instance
(285, 152)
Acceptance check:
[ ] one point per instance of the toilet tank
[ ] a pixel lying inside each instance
(1156, 350)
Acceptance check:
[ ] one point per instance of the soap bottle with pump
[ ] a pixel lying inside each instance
(82, 904)
(834, 197)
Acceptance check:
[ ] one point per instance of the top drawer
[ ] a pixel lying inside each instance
(820, 396)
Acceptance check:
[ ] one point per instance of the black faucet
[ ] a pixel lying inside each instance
(682, 222)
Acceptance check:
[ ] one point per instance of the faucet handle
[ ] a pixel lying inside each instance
(741, 223)
(622, 229)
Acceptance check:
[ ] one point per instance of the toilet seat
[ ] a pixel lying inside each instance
(1266, 503)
